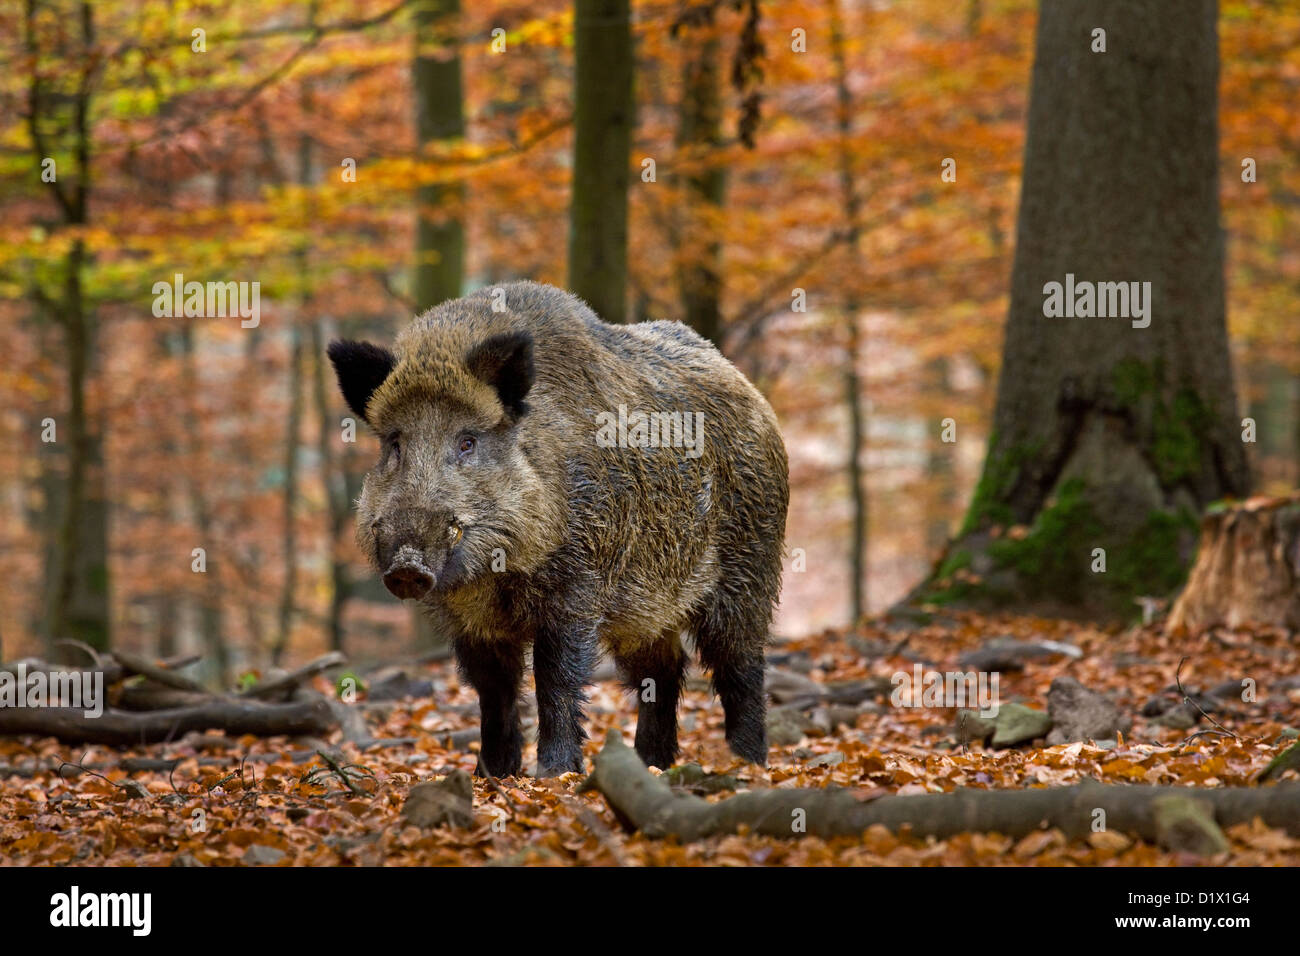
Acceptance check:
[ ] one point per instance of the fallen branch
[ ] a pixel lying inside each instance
(644, 802)
(289, 682)
(234, 717)
(135, 664)
(149, 696)
(28, 667)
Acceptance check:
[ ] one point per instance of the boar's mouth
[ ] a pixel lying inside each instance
(409, 574)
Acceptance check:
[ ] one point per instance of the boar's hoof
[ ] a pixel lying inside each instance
(573, 765)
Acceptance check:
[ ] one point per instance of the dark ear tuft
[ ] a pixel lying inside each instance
(506, 363)
(361, 368)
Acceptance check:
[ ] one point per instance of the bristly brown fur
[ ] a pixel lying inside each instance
(559, 543)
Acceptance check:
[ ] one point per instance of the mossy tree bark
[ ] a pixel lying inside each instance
(1108, 434)
(440, 230)
(602, 140)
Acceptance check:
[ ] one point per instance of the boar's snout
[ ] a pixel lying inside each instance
(408, 575)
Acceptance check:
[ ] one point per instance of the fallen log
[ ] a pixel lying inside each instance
(644, 802)
(127, 728)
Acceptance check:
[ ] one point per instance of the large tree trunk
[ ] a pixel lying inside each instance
(439, 234)
(1107, 434)
(602, 139)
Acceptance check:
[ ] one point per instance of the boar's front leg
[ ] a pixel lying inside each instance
(563, 658)
(495, 669)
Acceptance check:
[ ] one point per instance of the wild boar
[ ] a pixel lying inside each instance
(549, 480)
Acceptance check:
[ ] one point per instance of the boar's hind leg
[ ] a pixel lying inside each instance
(730, 634)
(495, 669)
(655, 675)
(563, 657)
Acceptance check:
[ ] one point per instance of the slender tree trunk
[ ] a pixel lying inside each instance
(52, 482)
(699, 131)
(216, 656)
(602, 141)
(440, 232)
(292, 456)
(79, 606)
(336, 496)
(439, 119)
(858, 552)
(1110, 434)
(941, 468)
(289, 538)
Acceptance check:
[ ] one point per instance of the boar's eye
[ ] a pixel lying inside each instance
(465, 447)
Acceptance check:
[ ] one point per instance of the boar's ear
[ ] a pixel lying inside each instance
(506, 363)
(361, 368)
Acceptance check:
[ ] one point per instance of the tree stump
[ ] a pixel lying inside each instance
(1246, 568)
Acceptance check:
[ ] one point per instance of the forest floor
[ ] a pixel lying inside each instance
(278, 801)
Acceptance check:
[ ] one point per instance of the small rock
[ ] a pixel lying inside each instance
(1157, 705)
(1228, 690)
(786, 726)
(1125, 660)
(448, 801)
(1288, 759)
(991, 659)
(1018, 724)
(971, 726)
(853, 693)
(1186, 825)
(831, 759)
(800, 662)
(135, 788)
(787, 687)
(870, 647)
(691, 776)
(830, 719)
(184, 859)
(1081, 714)
(1180, 717)
(260, 855)
(399, 686)
(1009, 654)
